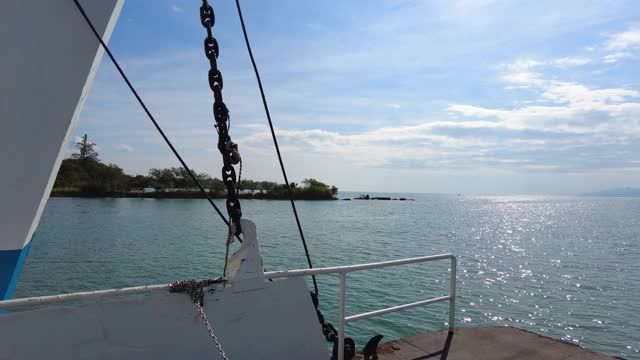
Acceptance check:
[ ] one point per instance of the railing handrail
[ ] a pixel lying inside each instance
(84, 295)
(358, 267)
(341, 270)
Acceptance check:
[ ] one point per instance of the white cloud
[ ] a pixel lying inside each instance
(540, 167)
(624, 40)
(599, 115)
(561, 116)
(589, 116)
(400, 123)
(379, 147)
(177, 9)
(615, 57)
(476, 111)
(526, 72)
(580, 95)
(622, 45)
(124, 147)
(570, 61)
(524, 65)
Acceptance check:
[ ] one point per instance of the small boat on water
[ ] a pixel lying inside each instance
(52, 50)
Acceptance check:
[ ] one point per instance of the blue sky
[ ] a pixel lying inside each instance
(491, 97)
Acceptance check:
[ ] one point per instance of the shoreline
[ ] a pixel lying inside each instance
(185, 195)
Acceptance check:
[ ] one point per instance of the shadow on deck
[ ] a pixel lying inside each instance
(484, 343)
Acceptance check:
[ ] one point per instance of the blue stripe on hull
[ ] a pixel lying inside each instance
(11, 262)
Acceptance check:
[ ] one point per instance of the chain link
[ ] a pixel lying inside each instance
(195, 290)
(328, 330)
(211, 333)
(228, 149)
(230, 157)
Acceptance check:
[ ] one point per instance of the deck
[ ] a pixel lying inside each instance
(484, 343)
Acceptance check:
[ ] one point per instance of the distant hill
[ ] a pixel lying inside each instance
(621, 192)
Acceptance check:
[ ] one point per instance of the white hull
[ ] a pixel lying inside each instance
(49, 59)
(277, 321)
(253, 318)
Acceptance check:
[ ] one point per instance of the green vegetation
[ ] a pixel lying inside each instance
(311, 189)
(85, 175)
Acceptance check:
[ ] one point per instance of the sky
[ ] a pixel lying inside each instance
(456, 96)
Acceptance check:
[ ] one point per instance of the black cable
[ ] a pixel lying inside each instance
(146, 110)
(275, 142)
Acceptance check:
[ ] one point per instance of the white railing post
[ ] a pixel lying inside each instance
(452, 294)
(343, 286)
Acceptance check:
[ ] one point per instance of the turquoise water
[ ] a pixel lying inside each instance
(566, 267)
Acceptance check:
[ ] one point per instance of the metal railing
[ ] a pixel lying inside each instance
(343, 270)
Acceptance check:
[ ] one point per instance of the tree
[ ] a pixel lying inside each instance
(91, 177)
(72, 175)
(86, 149)
(314, 189)
(109, 179)
(246, 184)
(184, 180)
(216, 186)
(162, 178)
(267, 185)
(177, 178)
(139, 182)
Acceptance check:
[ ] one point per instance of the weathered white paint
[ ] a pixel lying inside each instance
(245, 270)
(253, 318)
(84, 296)
(49, 58)
(277, 321)
(341, 270)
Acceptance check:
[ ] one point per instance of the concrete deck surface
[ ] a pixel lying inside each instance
(476, 343)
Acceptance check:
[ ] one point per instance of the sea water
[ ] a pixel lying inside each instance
(564, 267)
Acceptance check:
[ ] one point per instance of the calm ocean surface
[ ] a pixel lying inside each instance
(566, 267)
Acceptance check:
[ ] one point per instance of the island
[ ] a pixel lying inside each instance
(85, 175)
(367, 197)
